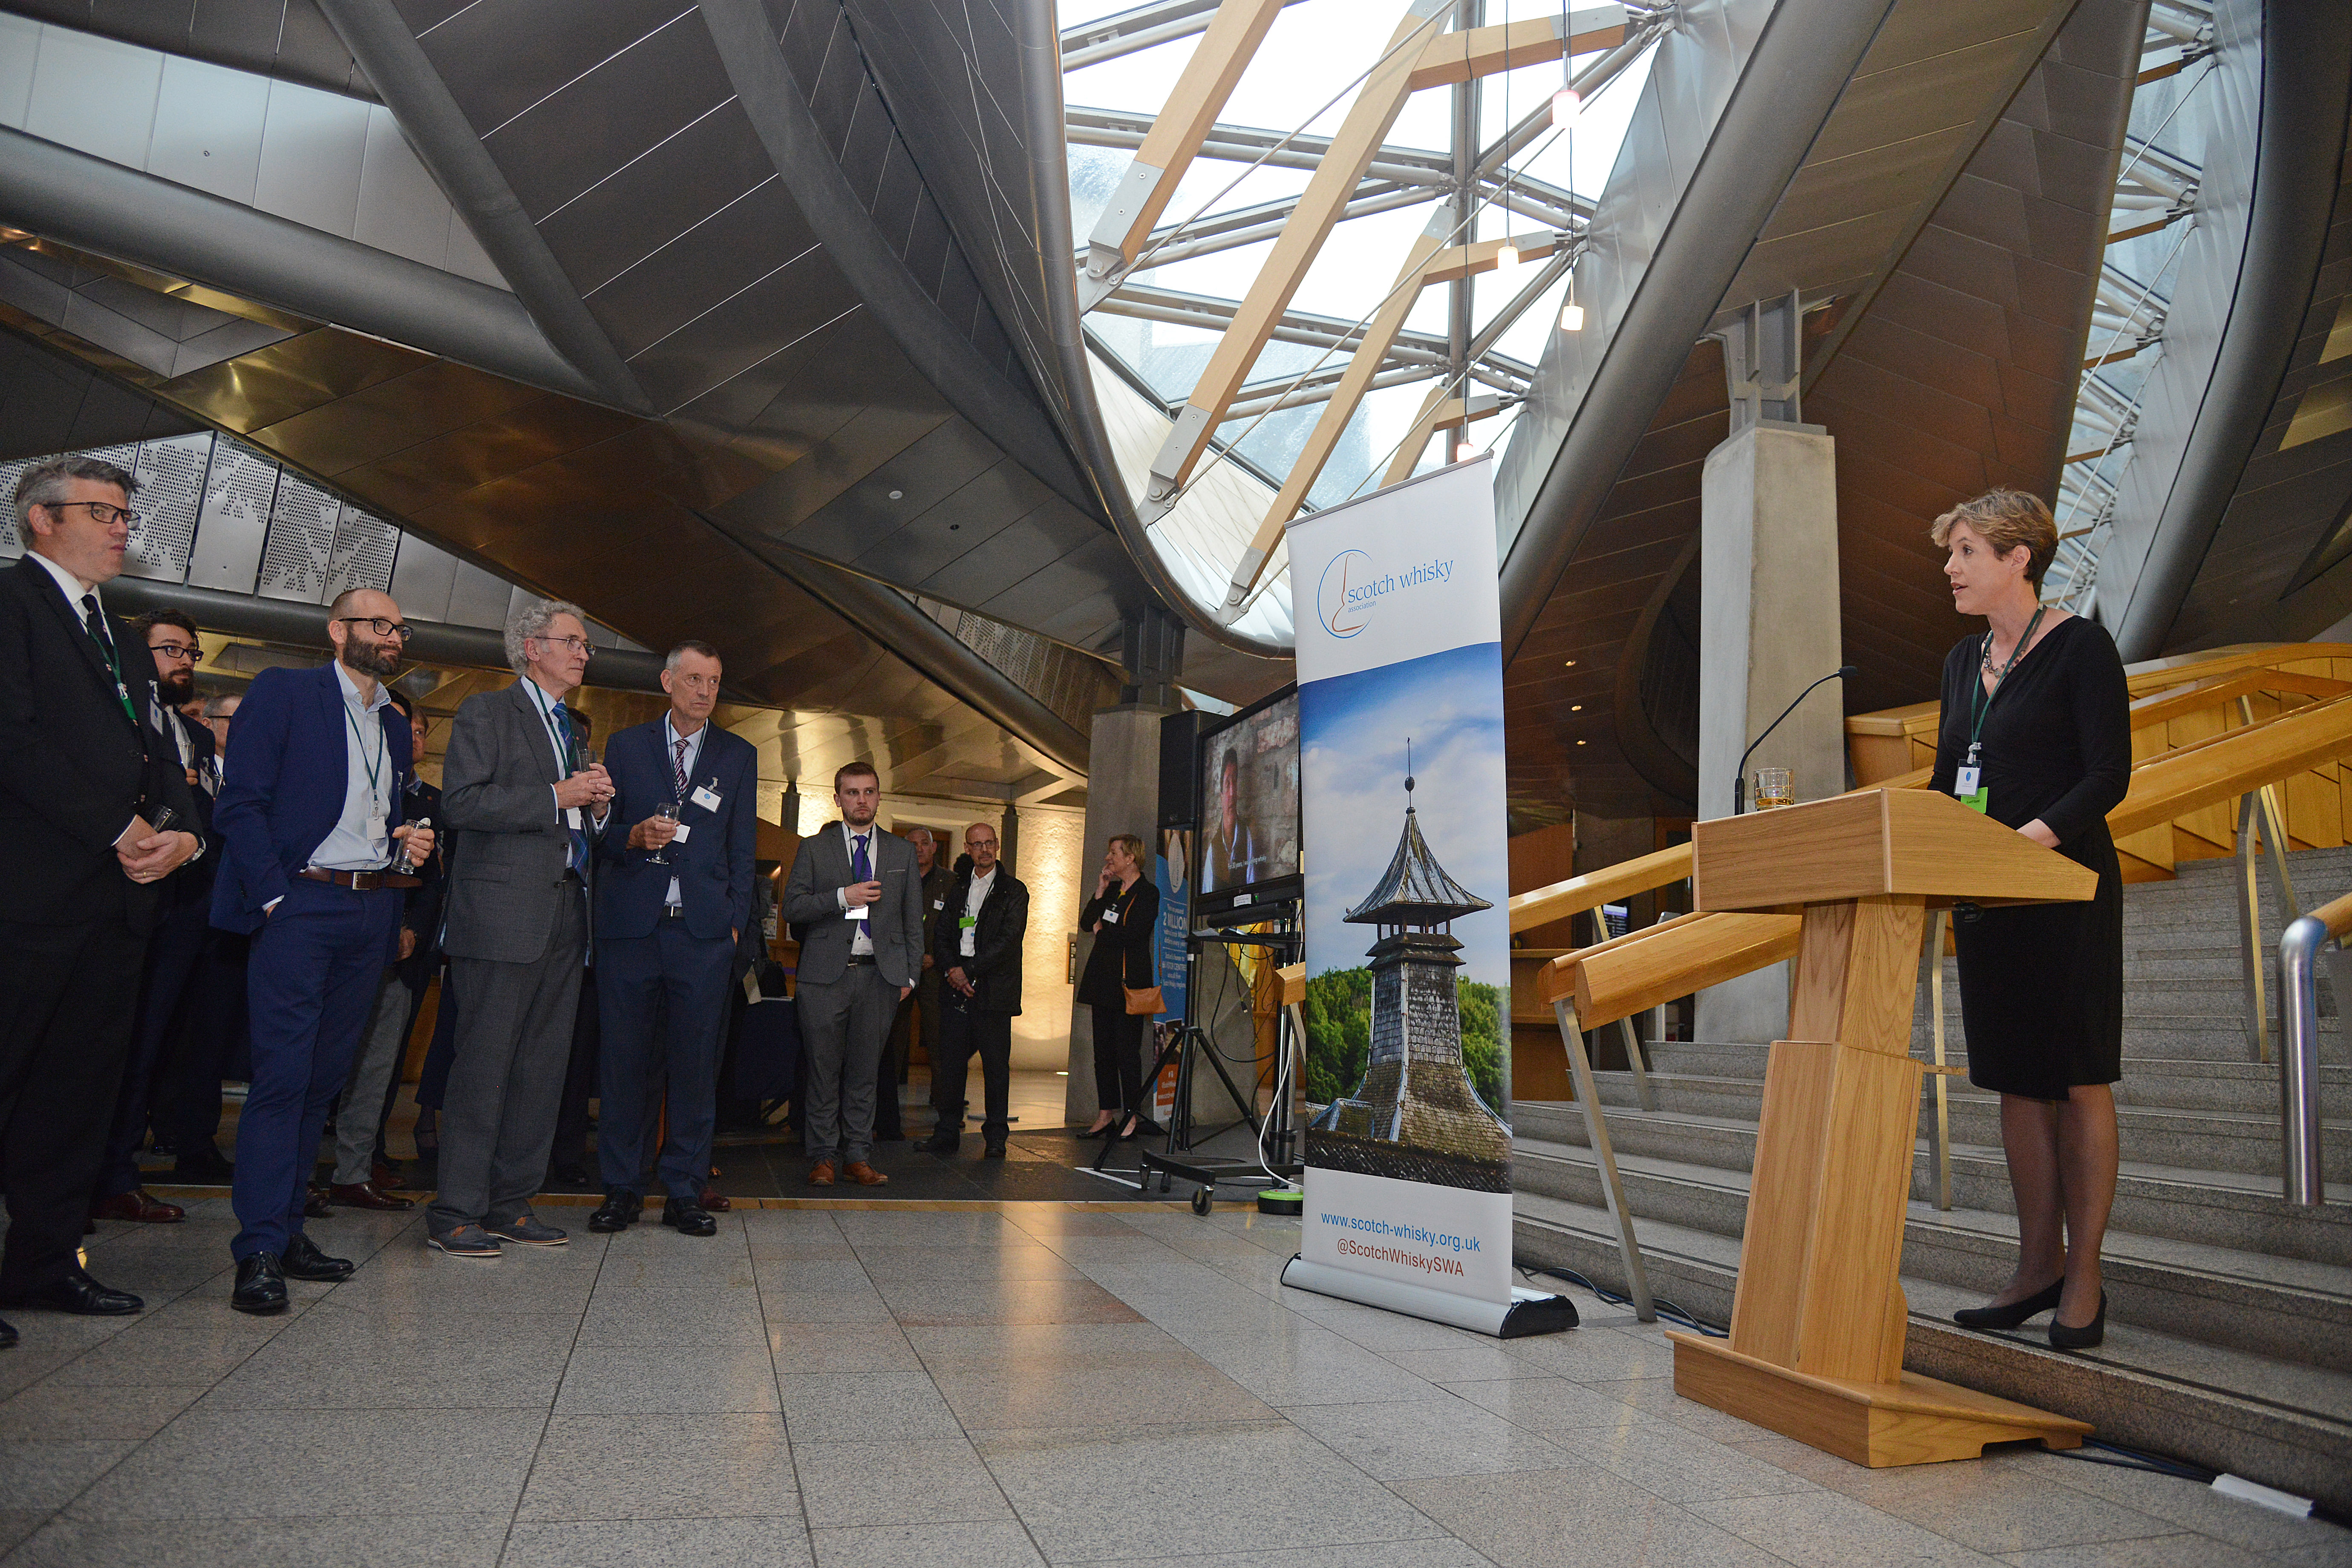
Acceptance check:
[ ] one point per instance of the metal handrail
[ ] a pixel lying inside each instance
(2302, 1175)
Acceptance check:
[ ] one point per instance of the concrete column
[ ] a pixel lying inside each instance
(1122, 796)
(1768, 628)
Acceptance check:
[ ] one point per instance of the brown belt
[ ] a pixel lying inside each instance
(362, 881)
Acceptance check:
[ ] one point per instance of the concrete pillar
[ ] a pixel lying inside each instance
(1122, 796)
(1768, 629)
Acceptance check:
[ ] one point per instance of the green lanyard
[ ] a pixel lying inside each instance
(122, 692)
(1981, 704)
(560, 733)
(373, 764)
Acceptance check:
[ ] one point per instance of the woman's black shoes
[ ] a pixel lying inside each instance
(2015, 1313)
(2090, 1334)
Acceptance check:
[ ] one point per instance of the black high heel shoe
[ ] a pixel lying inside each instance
(2015, 1313)
(2089, 1335)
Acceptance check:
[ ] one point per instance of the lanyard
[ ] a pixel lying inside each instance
(374, 764)
(560, 733)
(1980, 703)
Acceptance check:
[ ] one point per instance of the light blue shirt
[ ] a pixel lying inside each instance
(369, 786)
(670, 738)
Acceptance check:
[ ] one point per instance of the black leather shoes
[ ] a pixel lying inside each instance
(993, 1151)
(687, 1218)
(943, 1141)
(2088, 1336)
(2015, 1312)
(303, 1260)
(79, 1294)
(619, 1211)
(8, 1334)
(260, 1285)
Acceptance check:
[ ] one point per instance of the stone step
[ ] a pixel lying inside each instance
(2284, 1424)
(2240, 1087)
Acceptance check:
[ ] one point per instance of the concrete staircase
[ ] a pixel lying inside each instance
(2230, 1318)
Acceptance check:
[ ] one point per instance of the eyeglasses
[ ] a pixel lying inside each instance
(580, 645)
(105, 513)
(381, 627)
(178, 650)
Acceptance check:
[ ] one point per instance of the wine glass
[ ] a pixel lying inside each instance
(667, 812)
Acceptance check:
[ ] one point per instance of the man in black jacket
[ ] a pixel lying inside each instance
(976, 948)
(82, 785)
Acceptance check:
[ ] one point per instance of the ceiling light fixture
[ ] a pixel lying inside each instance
(1506, 256)
(1566, 104)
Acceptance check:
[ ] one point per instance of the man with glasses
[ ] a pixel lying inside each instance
(529, 805)
(83, 783)
(319, 861)
(976, 947)
(181, 932)
(671, 904)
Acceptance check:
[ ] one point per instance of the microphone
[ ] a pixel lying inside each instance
(1739, 779)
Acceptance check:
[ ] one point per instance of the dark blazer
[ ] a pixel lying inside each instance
(421, 912)
(994, 966)
(506, 875)
(820, 871)
(713, 867)
(283, 785)
(1122, 955)
(74, 768)
(191, 888)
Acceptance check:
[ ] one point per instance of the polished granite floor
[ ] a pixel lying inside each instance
(868, 1386)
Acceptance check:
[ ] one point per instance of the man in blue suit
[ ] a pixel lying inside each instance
(317, 871)
(671, 904)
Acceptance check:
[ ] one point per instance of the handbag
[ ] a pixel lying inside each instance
(1144, 1001)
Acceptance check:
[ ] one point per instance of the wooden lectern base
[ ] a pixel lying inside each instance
(1917, 1421)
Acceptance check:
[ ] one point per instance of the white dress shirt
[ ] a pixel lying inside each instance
(547, 721)
(969, 936)
(369, 786)
(861, 941)
(671, 765)
(74, 589)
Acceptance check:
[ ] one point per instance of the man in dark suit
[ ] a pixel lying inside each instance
(672, 901)
(186, 1112)
(976, 948)
(400, 995)
(83, 783)
(319, 862)
(529, 807)
(855, 888)
(182, 929)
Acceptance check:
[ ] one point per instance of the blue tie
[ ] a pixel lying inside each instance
(576, 858)
(861, 869)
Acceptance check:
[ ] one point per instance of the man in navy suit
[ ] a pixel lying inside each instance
(317, 870)
(671, 904)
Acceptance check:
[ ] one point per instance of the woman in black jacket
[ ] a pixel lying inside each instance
(1123, 914)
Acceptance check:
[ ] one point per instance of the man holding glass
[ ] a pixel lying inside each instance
(528, 805)
(83, 784)
(673, 899)
(319, 862)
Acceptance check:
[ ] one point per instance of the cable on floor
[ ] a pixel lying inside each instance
(1664, 1308)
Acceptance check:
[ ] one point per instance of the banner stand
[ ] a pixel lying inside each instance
(1527, 1312)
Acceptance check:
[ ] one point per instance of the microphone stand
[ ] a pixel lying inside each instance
(1739, 779)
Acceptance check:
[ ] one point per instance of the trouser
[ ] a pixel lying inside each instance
(498, 1113)
(570, 1150)
(1119, 1058)
(661, 996)
(961, 1034)
(381, 1044)
(843, 1024)
(311, 979)
(432, 1077)
(889, 1063)
(918, 1020)
(173, 953)
(210, 1036)
(65, 1027)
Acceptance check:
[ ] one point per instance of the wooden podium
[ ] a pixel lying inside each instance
(1818, 1319)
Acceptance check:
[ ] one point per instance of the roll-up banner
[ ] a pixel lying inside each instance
(1408, 1184)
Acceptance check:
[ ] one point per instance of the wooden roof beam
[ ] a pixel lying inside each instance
(1506, 46)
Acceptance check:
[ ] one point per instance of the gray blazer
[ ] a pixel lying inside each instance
(506, 881)
(811, 899)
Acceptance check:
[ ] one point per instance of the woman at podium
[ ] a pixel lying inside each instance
(2036, 733)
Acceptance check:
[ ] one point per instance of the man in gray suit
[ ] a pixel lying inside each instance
(856, 891)
(529, 807)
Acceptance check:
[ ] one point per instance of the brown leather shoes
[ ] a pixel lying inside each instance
(820, 1173)
(715, 1201)
(863, 1174)
(365, 1195)
(315, 1204)
(384, 1178)
(138, 1204)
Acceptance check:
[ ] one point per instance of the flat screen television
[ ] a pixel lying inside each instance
(1249, 806)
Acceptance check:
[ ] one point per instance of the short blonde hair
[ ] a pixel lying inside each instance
(1131, 844)
(2006, 519)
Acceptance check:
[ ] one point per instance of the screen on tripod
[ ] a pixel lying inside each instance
(1249, 798)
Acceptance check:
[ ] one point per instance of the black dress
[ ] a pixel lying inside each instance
(2042, 986)
(1121, 958)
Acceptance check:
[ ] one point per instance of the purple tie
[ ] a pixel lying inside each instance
(678, 767)
(860, 868)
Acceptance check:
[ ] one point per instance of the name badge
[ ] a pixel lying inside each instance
(375, 828)
(937, 904)
(705, 797)
(1966, 781)
(1110, 916)
(856, 912)
(682, 834)
(572, 817)
(965, 922)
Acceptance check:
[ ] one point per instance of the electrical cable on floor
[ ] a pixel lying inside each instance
(1665, 1309)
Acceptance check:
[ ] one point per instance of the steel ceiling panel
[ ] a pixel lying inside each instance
(713, 260)
(739, 334)
(641, 206)
(392, 415)
(500, 56)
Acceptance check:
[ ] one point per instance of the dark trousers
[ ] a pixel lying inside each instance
(571, 1148)
(514, 1040)
(1119, 1058)
(67, 993)
(210, 1038)
(432, 1077)
(961, 1034)
(918, 1021)
(842, 1025)
(663, 998)
(174, 952)
(311, 982)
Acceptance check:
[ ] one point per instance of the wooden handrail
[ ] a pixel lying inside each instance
(1699, 950)
(2336, 917)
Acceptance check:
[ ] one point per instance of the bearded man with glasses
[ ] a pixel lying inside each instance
(83, 783)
